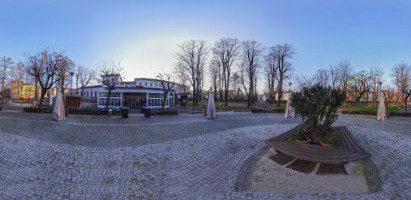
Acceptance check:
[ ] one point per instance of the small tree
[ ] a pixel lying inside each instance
(167, 84)
(318, 106)
(112, 74)
(6, 63)
(84, 76)
(360, 85)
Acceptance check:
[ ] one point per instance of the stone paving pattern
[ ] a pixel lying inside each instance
(170, 157)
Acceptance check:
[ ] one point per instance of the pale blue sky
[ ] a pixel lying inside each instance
(144, 35)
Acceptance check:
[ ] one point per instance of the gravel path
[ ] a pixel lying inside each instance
(170, 157)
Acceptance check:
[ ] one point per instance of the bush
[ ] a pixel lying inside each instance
(375, 113)
(84, 111)
(318, 107)
(74, 111)
(278, 110)
(298, 135)
(333, 139)
(38, 110)
(400, 114)
(360, 112)
(164, 112)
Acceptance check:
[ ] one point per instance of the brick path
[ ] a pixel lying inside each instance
(168, 157)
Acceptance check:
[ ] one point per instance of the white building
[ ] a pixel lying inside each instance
(133, 94)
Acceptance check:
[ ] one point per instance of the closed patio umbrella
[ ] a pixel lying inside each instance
(381, 114)
(58, 108)
(289, 110)
(211, 105)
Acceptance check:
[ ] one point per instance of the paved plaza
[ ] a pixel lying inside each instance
(172, 157)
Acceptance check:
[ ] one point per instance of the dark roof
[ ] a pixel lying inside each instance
(93, 86)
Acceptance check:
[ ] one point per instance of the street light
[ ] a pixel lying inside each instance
(380, 83)
(71, 96)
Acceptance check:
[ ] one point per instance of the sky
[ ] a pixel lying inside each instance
(144, 35)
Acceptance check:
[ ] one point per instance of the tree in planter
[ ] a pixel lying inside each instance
(318, 106)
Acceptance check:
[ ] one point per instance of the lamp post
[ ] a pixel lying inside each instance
(71, 95)
(21, 96)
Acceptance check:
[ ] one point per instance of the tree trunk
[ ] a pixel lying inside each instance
(4, 77)
(108, 99)
(36, 88)
(43, 93)
(164, 101)
(82, 92)
(280, 90)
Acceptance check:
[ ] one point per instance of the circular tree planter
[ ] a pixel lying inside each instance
(304, 141)
(325, 145)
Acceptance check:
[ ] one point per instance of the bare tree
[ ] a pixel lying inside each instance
(402, 80)
(360, 84)
(44, 68)
(192, 56)
(180, 73)
(84, 76)
(65, 66)
(304, 81)
(376, 77)
(321, 77)
(18, 72)
(334, 73)
(215, 71)
(390, 93)
(112, 74)
(6, 63)
(243, 78)
(345, 72)
(251, 55)
(282, 53)
(226, 50)
(167, 84)
(271, 71)
(236, 79)
(200, 80)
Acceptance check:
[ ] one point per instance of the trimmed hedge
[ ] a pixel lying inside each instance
(74, 111)
(164, 112)
(353, 112)
(375, 113)
(82, 111)
(38, 110)
(278, 110)
(400, 114)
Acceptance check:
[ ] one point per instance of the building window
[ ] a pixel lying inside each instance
(141, 83)
(102, 94)
(151, 84)
(145, 84)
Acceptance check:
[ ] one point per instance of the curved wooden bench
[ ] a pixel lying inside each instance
(350, 150)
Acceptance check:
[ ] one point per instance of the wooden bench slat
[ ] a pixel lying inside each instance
(350, 150)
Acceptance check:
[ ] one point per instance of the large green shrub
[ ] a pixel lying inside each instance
(318, 107)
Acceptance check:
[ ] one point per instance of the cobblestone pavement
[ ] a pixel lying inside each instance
(170, 157)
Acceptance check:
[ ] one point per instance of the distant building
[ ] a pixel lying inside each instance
(134, 94)
(19, 89)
